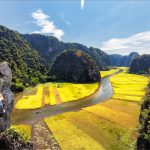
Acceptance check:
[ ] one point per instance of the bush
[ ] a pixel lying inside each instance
(34, 81)
(17, 87)
(12, 139)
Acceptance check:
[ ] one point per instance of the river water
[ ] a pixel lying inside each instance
(105, 92)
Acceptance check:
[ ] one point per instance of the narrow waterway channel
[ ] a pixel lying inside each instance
(105, 92)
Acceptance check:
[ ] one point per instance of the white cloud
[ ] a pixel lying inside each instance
(82, 4)
(138, 42)
(47, 25)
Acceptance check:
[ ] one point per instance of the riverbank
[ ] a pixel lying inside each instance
(109, 125)
(32, 116)
(53, 94)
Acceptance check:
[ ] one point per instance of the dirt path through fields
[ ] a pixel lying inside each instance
(45, 92)
(43, 98)
(57, 96)
(42, 138)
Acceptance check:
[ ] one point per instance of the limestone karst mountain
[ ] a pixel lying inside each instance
(49, 47)
(119, 60)
(74, 66)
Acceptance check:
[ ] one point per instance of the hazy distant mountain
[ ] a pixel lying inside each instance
(49, 47)
(114, 59)
(140, 65)
(119, 60)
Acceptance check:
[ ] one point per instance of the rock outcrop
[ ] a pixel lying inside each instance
(141, 65)
(6, 96)
(74, 66)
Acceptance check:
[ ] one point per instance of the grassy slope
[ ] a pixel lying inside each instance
(45, 94)
(111, 124)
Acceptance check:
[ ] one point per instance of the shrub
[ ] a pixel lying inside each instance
(17, 87)
(12, 139)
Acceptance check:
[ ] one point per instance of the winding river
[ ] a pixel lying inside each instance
(104, 92)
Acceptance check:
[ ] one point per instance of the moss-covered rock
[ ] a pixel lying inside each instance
(74, 66)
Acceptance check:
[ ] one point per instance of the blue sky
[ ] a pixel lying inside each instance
(114, 26)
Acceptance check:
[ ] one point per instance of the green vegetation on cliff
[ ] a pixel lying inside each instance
(143, 142)
(49, 47)
(74, 66)
(26, 64)
(140, 65)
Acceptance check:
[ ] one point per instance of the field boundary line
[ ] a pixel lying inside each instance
(57, 95)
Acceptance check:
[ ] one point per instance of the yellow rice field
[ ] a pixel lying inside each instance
(129, 86)
(103, 126)
(110, 125)
(109, 72)
(31, 101)
(72, 138)
(45, 94)
(70, 92)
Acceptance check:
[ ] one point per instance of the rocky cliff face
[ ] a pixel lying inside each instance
(50, 47)
(119, 60)
(6, 96)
